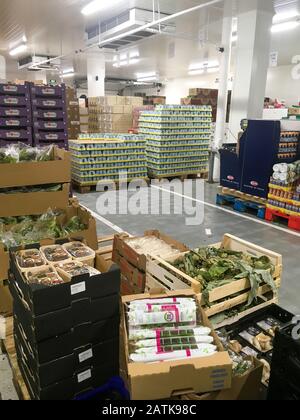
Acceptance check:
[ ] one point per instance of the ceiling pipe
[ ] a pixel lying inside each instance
(141, 28)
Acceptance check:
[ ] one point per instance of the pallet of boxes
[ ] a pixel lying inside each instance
(219, 277)
(112, 114)
(73, 115)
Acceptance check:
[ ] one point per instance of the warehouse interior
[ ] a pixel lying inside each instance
(174, 122)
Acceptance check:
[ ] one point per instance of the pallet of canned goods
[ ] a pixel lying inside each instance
(101, 157)
(178, 139)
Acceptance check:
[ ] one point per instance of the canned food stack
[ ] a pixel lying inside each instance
(102, 157)
(15, 114)
(289, 145)
(178, 139)
(49, 115)
(284, 192)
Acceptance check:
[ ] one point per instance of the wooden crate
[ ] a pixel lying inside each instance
(105, 249)
(122, 246)
(9, 347)
(162, 273)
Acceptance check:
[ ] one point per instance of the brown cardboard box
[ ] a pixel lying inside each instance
(5, 299)
(243, 388)
(73, 114)
(137, 260)
(33, 203)
(37, 173)
(121, 100)
(154, 381)
(294, 111)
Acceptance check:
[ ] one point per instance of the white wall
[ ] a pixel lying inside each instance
(281, 85)
(179, 88)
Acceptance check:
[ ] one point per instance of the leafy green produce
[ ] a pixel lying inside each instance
(214, 268)
(22, 153)
(30, 229)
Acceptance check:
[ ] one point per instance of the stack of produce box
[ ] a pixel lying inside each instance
(284, 192)
(168, 347)
(131, 256)
(31, 182)
(72, 114)
(15, 114)
(178, 139)
(101, 157)
(84, 119)
(49, 115)
(66, 319)
(111, 114)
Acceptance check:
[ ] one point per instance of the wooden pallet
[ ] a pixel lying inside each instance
(241, 195)
(241, 205)
(9, 349)
(88, 188)
(182, 177)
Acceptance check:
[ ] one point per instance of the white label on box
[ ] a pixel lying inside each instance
(78, 288)
(84, 376)
(86, 355)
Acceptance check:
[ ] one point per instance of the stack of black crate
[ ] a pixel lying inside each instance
(15, 114)
(285, 369)
(66, 336)
(49, 115)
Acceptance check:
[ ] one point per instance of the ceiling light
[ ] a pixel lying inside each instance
(94, 6)
(213, 70)
(234, 38)
(279, 17)
(147, 79)
(134, 61)
(18, 50)
(123, 63)
(195, 72)
(146, 75)
(196, 66)
(286, 26)
(117, 65)
(134, 54)
(68, 75)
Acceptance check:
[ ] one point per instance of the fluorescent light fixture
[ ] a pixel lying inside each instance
(280, 17)
(195, 72)
(286, 26)
(146, 75)
(115, 58)
(18, 50)
(234, 38)
(213, 70)
(95, 6)
(147, 79)
(134, 54)
(123, 57)
(123, 63)
(196, 66)
(68, 75)
(68, 71)
(133, 61)
(203, 66)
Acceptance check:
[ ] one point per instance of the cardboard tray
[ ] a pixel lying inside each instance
(41, 300)
(152, 381)
(171, 278)
(49, 115)
(13, 122)
(48, 91)
(137, 260)
(51, 136)
(8, 112)
(47, 103)
(243, 388)
(56, 171)
(50, 125)
(14, 101)
(16, 135)
(33, 203)
(11, 89)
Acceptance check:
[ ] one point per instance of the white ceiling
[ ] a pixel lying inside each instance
(56, 27)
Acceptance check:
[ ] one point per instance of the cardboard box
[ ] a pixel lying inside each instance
(56, 370)
(153, 381)
(243, 388)
(84, 289)
(33, 203)
(84, 380)
(116, 109)
(5, 297)
(57, 171)
(83, 111)
(137, 260)
(294, 111)
(84, 119)
(121, 100)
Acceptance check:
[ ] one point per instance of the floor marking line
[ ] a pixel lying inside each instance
(290, 232)
(104, 221)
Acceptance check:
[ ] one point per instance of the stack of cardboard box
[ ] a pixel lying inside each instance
(84, 119)
(112, 114)
(72, 114)
(67, 335)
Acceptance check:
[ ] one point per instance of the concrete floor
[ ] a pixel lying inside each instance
(219, 222)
